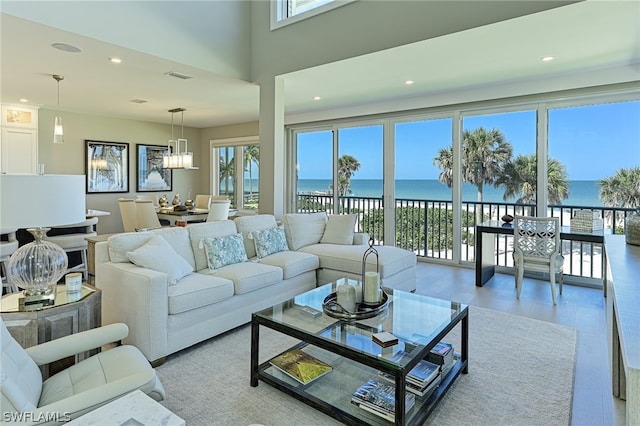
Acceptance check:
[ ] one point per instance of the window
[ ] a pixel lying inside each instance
(236, 168)
(284, 12)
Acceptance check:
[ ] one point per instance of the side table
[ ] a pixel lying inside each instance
(70, 314)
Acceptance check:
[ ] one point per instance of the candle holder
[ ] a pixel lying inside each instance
(371, 293)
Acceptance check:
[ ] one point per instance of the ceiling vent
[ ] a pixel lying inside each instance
(178, 75)
(139, 101)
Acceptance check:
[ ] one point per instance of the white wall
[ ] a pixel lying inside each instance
(69, 158)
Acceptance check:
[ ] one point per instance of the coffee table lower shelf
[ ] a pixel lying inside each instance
(331, 393)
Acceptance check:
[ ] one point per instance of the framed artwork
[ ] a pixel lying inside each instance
(151, 175)
(107, 166)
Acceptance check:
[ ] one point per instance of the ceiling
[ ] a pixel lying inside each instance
(596, 39)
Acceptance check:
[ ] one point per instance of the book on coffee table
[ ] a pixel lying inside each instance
(379, 398)
(300, 366)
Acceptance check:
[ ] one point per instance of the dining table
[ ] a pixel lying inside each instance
(173, 216)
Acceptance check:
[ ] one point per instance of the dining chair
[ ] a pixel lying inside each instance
(152, 197)
(147, 217)
(128, 214)
(219, 210)
(536, 247)
(8, 245)
(203, 201)
(76, 241)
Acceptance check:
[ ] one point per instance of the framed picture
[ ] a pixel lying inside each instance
(151, 175)
(107, 166)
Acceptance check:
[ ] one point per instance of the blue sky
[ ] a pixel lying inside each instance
(592, 142)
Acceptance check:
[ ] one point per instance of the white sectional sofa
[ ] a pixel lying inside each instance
(175, 287)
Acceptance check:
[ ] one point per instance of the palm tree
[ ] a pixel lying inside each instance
(484, 155)
(519, 178)
(347, 166)
(251, 155)
(622, 189)
(227, 171)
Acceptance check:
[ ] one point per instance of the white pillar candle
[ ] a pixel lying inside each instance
(346, 295)
(73, 282)
(371, 287)
(358, 287)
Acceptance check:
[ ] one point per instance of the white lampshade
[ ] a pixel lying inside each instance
(32, 201)
(37, 202)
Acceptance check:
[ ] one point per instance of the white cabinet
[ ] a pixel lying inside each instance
(19, 140)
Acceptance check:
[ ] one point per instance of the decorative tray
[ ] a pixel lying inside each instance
(331, 307)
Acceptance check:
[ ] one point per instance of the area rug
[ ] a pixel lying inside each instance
(521, 372)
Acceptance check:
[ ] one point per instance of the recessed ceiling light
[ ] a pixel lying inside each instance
(316, 98)
(408, 82)
(115, 60)
(139, 101)
(24, 100)
(547, 58)
(66, 47)
(177, 74)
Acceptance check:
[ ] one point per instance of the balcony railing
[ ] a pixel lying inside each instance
(426, 228)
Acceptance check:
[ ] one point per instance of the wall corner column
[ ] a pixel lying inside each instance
(272, 147)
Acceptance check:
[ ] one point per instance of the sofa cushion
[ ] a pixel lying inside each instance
(248, 224)
(292, 263)
(178, 238)
(249, 276)
(197, 290)
(349, 258)
(269, 241)
(158, 255)
(303, 229)
(339, 229)
(223, 251)
(198, 231)
(121, 244)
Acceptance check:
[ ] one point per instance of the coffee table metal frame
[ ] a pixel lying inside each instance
(327, 327)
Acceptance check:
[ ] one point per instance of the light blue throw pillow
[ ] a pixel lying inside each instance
(269, 241)
(223, 251)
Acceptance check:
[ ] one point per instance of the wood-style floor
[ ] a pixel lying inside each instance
(578, 307)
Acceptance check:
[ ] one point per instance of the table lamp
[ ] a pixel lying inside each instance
(38, 202)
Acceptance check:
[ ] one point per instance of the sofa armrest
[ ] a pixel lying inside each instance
(73, 344)
(139, 298)
(361, 238)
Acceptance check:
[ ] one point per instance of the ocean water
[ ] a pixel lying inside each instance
(581, 192)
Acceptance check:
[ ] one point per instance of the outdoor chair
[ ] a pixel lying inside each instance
(536, 247)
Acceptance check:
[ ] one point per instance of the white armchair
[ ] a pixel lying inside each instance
(78, 389)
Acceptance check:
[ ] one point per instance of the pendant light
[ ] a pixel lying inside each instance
(178, 159)
(58, 132)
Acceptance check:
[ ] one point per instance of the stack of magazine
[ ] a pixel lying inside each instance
(379, 397)
(443, 355)
(422, 380)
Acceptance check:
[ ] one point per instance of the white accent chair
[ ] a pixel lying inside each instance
(203, 201)
(128, 213)
(536, 247)
(219, 210)
(147, 217)
(78, 389)
(6, 250)
(76, 241)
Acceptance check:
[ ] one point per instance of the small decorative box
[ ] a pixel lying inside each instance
(586, 221)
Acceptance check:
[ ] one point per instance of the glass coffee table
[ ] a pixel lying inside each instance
(419, 323)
